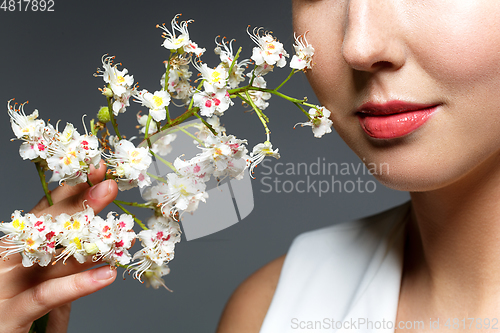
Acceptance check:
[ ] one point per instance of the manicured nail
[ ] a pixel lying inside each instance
(100, 190)
(103, 273)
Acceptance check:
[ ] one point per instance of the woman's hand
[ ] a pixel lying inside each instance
(28, 293)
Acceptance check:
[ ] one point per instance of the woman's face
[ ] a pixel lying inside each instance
(414, 84)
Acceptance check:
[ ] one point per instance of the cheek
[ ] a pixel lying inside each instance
(330, 78)
(462, 43)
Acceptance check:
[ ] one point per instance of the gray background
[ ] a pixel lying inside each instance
(49, 59)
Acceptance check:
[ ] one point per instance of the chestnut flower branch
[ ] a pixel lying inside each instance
(69, 154)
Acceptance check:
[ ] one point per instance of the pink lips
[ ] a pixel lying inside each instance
(393, 119)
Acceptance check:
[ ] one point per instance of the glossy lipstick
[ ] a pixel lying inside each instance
(393, 119)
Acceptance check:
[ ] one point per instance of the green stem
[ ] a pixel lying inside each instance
(163, 180)
(192, 136)
(167, 74)
(180, 119)
(259, 114)
(146, 134)
(302, 109)
(253, 76)
(41, 174)
(112, 117)
(206, 124)
(167, 163)
(40, 325)
(192, 98)
(133, 204)
(288, 78)
(234, 62)
(139, 222)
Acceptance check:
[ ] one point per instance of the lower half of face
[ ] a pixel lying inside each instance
(375, 63)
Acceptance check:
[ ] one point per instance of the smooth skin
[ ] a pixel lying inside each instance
(27, 294)
(444, 52)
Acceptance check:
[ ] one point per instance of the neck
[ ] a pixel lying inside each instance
(454, 239)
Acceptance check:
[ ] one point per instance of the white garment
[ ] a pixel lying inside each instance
(345, 276)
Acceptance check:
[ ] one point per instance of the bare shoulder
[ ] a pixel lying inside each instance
(247, 307)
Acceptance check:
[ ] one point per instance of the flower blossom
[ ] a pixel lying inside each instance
(260, 98)
(320, 121)
(71, 154)
(155, 102)
(227, 154)
(120, 83)
(130, 165)
(158, 248)
(110, 239)
(178, 78)
(204, 132)
(181, 42)
(225, 52)
(143, 120)
(269, 51)
(212, 103)
(302, 59)
(31, 236)
(259, 152)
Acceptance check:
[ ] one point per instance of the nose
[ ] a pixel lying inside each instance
(372, 36)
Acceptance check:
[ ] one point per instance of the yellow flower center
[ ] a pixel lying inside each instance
(18, 225)
(30, 242)
(157, 101)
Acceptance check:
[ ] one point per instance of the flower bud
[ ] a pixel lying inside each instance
(103, 114)
(107, 92)
(90, 248)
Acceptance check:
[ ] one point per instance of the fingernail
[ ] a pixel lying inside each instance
(100, 190)
(103, 273)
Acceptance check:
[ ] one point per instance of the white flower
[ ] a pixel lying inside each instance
(110, 239)
(302, 59)
(158, 247)
(227, 154)
(205, 132)
(24, 126)
(31, 236)
(155, 102)
(182, 193)
(119, 81)
(212, 103)
(70, 154)
(175, 42)
(130, 165)
(153, 276)
(75, 232)
(214, 78)
(320, 121)
(121, 102)
(143, 120)
(178, 79)
(225, 52)
(269, 50)
(260, 98)
(259, 152)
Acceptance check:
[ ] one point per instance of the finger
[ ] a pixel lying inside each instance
(39, 300)
(16, 278)
(59, 319)
(97, 197)
(65, 191)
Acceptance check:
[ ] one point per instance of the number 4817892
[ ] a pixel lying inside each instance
(27, 5)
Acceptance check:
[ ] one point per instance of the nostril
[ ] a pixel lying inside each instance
(382, 65)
